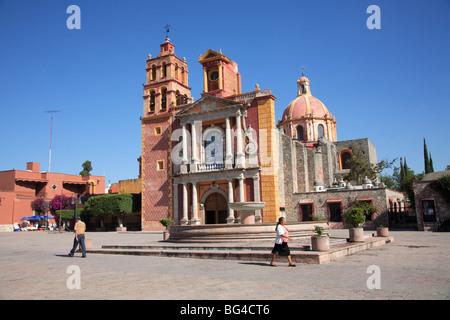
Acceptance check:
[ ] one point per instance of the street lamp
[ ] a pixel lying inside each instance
(78, 200)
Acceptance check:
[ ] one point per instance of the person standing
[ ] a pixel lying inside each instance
(80, 229)
(281, 243)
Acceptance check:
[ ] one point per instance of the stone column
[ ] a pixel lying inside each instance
(228, 145)
(175, 203)
(185, 219)
(230, 218)
(240, 158)
(256, 196)
(241, 188)
(195, 219)
(205, 80)
(184, 160)
(194, 157)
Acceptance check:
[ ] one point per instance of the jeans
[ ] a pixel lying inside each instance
(75, 245)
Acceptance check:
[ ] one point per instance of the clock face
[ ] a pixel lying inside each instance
(213, 146)
(214, 75)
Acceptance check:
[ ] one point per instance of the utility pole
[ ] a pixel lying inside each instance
(51, 127)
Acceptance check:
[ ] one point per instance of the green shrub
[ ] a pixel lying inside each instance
(355, 216)
(318, 230)
(165, 222)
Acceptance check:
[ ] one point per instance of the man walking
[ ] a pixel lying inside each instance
(80, 229)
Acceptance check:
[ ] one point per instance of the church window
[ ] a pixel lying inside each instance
(153, 77)
(160, 165)
(163, 99)
(179, 98)
(183, 75)
(158, 131)
(300, 135)
(152, 101)
(320, 130)
(344, 158)
(164, 70)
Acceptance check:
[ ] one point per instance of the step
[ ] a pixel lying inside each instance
(299, 254)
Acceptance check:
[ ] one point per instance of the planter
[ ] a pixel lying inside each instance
(383, 232)
(88, 243)
(120, 229)
(356, 234)
(320, 243)
(166, 235)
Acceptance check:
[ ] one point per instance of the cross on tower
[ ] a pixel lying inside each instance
(303, 69)
(167, 27)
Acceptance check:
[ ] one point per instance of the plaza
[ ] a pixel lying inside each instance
(35, 266)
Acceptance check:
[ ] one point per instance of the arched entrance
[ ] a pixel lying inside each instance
(216, 209)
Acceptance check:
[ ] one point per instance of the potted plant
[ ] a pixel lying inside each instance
(166, 223)
(320, 242)
(382, 231)
(355, 216)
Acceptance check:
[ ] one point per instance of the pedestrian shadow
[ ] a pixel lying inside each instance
(262, 264)
(63, 256)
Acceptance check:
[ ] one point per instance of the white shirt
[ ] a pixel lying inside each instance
(280, 230)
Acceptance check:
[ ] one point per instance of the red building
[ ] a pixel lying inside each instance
(19, 188)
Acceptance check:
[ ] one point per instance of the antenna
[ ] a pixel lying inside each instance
(51, 127)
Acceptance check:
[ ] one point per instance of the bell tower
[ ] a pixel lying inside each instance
(166, 81)
(220, 75)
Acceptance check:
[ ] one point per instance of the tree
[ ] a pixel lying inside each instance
(87, 167)
(40, 205)
(361, 168)
(427, 158)
(114, 204)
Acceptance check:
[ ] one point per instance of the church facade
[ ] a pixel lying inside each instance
(226, 147)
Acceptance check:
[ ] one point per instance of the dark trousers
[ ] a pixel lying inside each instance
(75, 245)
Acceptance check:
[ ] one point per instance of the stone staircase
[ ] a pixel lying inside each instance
(245, 251)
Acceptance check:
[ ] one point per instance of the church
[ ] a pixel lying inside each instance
(201, 158)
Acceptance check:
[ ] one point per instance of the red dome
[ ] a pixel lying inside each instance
(305, 105)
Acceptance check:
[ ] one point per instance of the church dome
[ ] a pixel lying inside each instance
(305, 104)
(306, 118)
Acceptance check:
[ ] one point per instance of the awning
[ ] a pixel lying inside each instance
(75, 182)
(32, 180)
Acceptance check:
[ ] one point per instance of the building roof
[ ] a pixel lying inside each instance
(435, 175)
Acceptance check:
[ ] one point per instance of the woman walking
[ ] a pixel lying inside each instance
(281, 243)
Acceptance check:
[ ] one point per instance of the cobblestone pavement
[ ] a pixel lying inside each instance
(35, 265)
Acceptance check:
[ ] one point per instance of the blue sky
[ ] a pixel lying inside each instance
(389, 85)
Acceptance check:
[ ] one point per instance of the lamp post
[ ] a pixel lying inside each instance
(78, 199)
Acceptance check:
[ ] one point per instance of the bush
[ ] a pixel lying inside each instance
(318, 230)
(354, 217)
(165, 222)
(65, 214)
(442, 186)
(444, 225)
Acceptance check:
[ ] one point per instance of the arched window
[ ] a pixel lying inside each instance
(163, 99)
(152, 101)
(153, 77)
(164, 70)
(179, 98)
(300, 135)
(344, 158)
(320, 130)
(183, 75)
(176, 71)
